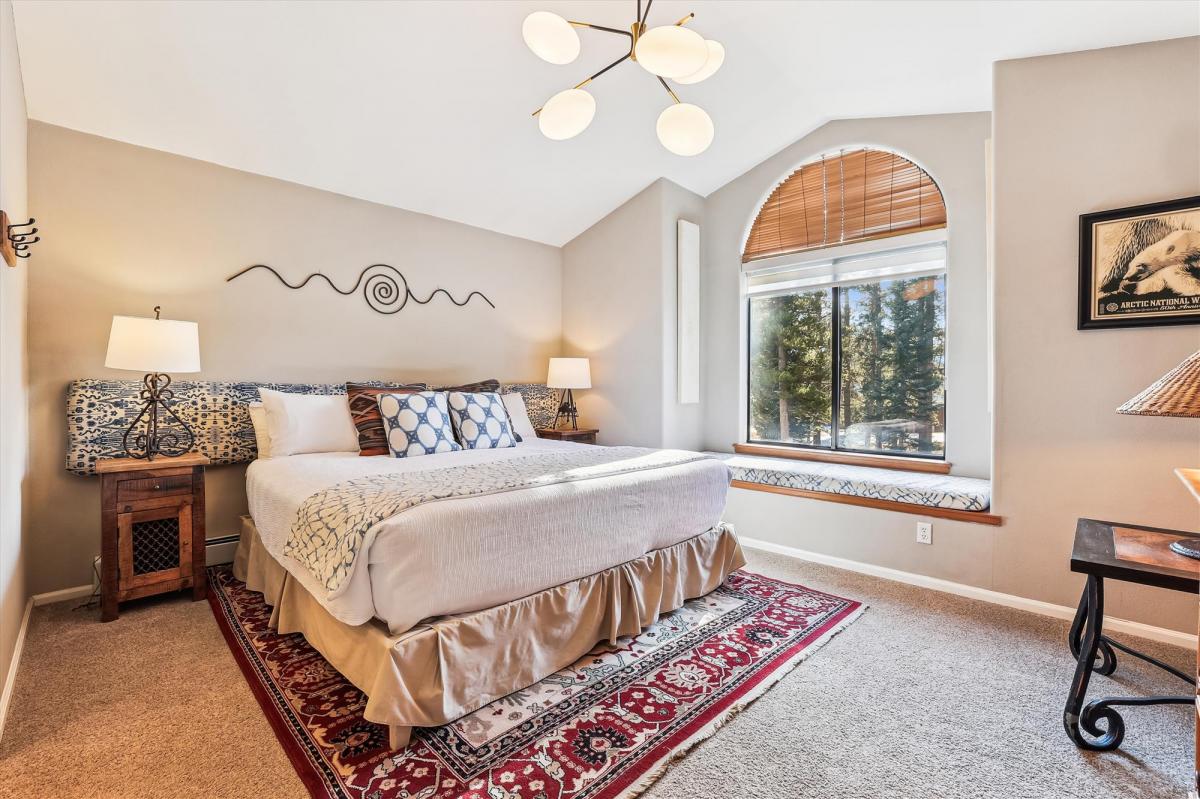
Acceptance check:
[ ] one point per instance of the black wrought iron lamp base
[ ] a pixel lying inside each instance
(152, 442)
(1187, 549)
(567, 410)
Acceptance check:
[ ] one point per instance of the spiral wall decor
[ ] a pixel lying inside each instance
(384, 288)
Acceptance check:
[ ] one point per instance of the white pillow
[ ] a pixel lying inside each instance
(298, 423)
(514, 403)
(262, 436)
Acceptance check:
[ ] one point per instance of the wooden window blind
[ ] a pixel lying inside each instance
(849, 196)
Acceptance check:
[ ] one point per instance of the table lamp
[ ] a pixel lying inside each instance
(154, 346)
(1177, 393)
(568, 374)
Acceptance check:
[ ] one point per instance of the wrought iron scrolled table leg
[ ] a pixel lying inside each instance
(1108, 658)
(1085, 639)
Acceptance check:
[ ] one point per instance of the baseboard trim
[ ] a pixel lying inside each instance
(1160, 634)
(61, 595)
(13, 664)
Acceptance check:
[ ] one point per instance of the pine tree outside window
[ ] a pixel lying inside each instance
(847, 332)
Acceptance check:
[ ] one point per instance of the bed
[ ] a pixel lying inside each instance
(509, 565)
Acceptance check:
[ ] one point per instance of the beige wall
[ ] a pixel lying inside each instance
(1077, 133)
(14, 441)
(619, 310)
(127, 228)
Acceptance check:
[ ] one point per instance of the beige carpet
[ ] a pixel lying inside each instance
(927, 696)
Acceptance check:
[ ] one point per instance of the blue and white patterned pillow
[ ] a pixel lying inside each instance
(481, 421)
(417, 424)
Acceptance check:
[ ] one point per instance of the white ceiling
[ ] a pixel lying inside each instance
(426, 105)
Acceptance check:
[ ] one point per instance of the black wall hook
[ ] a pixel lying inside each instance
(21, 239)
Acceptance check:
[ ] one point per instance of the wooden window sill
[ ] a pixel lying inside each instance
(974, 516)
(850, 458)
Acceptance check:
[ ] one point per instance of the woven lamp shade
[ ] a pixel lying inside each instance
(1177, 393)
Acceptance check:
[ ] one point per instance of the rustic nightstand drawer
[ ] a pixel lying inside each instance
(150, 487)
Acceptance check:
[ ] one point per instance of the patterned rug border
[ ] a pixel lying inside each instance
(305, 769)
(696, 731)
(712, 720)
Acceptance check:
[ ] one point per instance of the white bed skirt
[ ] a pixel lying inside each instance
(447, 667)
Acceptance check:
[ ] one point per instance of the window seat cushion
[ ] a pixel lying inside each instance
(914, 488)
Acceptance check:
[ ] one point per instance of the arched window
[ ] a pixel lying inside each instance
(850, 196)
(846, 277)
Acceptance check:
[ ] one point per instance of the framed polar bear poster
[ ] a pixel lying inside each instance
(1140, 266)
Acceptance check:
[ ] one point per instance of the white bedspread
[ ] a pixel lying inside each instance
(460, 555)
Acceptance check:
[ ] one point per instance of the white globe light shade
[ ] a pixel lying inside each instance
(716, 57)
(685, 129)
(550, 37)
(567, 114)
(671, 51)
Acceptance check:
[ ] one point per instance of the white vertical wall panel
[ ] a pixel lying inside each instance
(688, 274)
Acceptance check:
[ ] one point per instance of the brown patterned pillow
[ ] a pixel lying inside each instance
(482, 387)
(364, 411)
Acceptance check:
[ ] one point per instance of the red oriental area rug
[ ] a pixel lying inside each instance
(602, 728)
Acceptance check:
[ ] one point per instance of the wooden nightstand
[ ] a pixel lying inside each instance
(584, 435)
(152, 528)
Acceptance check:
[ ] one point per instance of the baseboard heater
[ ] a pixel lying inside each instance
(216, 551)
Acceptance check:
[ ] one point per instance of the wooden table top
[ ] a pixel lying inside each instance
(1191, 479)
(1134, 553)
(109, 465)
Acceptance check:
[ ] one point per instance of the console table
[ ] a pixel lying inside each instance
(1135, 554)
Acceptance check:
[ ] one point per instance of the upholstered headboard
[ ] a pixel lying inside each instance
(99, 411)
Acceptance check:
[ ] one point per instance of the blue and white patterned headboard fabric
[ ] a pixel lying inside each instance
(99, 411)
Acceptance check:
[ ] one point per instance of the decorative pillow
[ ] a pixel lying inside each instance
(417, 424)
(475, 388)
(522, 427)
(298, 423)
(262, 436)
(364, 411)
(480, 420)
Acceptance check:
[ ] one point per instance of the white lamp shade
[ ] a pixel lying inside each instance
(671, 51)
(153, 345)
(716, 57)
(567, 114)
(550, 37)
(685, 129)
(569, 373)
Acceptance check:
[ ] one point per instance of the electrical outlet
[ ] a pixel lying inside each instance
(924, 532)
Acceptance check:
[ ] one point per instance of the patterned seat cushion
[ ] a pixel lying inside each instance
(914, 488)
(417, 424)
(480, 420)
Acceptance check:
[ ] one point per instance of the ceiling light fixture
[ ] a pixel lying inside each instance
(667, 52)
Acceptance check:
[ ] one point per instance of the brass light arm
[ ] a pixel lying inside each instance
(598, 27)
(583, 83)
(674, 96)
(686, 19)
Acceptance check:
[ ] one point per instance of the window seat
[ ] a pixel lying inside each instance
(961, 498)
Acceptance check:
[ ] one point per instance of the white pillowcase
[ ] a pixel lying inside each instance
(514, 403)
(262, 436)
(298, 423)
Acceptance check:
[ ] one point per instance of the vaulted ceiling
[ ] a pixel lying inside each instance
(426, 105)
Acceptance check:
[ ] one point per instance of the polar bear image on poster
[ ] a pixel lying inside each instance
(1146, 266)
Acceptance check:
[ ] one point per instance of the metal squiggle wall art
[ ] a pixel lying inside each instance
(384, 288)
